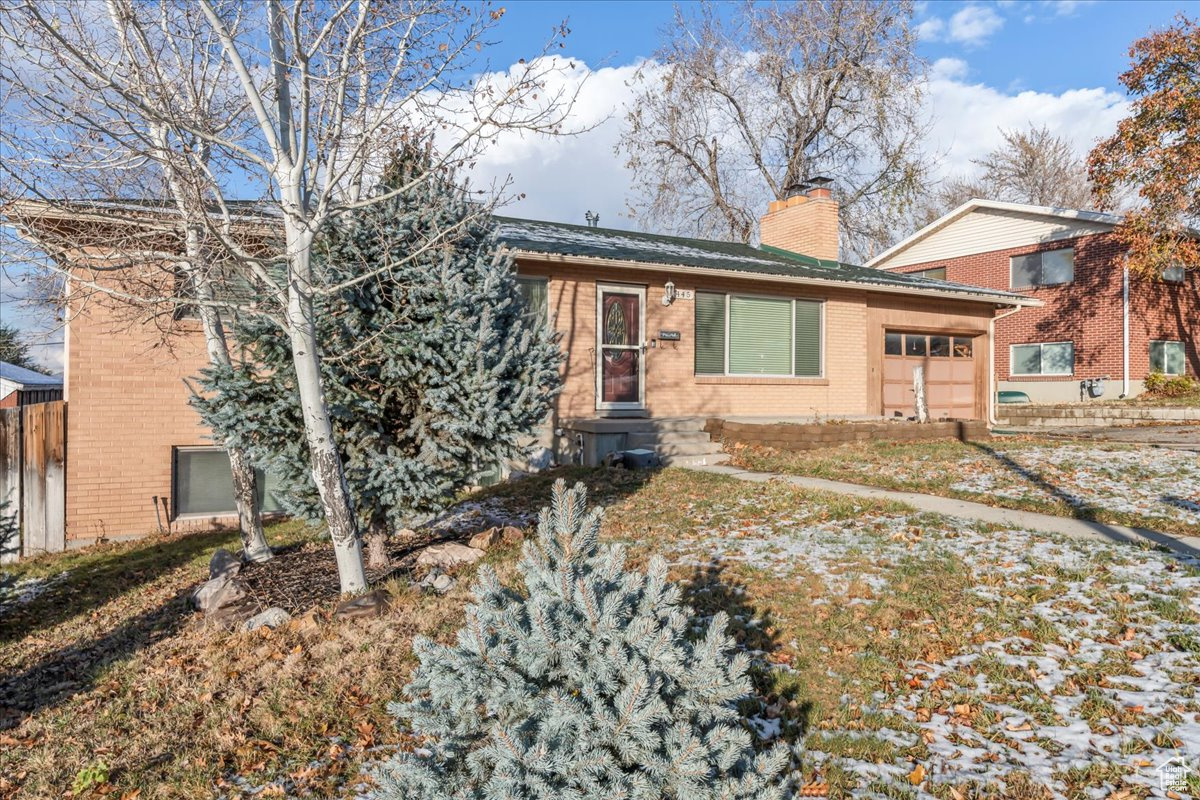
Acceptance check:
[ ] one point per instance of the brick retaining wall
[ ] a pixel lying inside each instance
(790, 436)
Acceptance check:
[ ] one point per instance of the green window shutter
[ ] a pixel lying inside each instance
(710, 333)
(760, 336)
(808, 338)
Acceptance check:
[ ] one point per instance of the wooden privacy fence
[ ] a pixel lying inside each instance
(33, 479)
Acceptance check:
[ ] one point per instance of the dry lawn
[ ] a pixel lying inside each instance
(910, 654)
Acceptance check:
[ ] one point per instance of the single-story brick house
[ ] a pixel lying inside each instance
(1096, 321)
(653, 328)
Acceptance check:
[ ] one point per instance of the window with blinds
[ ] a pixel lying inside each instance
(750, 335)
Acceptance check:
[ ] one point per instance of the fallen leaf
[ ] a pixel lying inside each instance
(917, 776)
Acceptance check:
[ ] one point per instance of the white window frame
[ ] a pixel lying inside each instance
(1150, 347)
(791, 350)
(1041, 271)
(1012, 360)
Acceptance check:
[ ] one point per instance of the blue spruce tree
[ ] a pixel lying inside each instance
(433, 373)
(584, 686)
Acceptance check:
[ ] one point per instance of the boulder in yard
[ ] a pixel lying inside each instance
(406, 535)
(486, 540)
(365, 606)
(224, 564)
(438, 582)
(219, 592)
(271, 618)
(448, 555)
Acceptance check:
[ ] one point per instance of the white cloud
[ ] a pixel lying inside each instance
(931, 29)
(967, 116)
(972, 25)
(563, 178)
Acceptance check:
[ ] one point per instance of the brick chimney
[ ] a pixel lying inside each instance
(806, 222)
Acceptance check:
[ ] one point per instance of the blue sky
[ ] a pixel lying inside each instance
(1044, 46)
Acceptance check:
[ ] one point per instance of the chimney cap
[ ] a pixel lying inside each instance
(805, 186)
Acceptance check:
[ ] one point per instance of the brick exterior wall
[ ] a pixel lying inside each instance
(1087, 311)
(128, 403)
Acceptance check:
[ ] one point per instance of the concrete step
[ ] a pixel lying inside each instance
(705, 460)
(687, 449)
(649, 439)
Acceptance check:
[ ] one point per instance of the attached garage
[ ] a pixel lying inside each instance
(953, 385)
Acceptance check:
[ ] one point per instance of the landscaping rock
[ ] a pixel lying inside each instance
(218, 593)
(271, 618)
(308, 621)
(366, 606)
(406, 535)
(224, 564)
(448, 555)
(438, 582)
(486, 540)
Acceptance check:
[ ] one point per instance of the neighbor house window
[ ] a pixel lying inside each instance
(203, 483)
(937, 273)
(752, 335)
(1173, 273)
(1048, 268)
(1048, 358)
(1166, 357)
(535, 292)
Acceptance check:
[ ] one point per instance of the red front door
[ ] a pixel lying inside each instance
(620, 325)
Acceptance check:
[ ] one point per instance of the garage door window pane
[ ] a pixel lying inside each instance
(760, 336)
(939, 346)
(914, 345)
(1027, 359)
(962, 347)
(1058, 359)
(892, 344)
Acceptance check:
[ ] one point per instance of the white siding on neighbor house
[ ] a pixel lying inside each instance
(986, 229)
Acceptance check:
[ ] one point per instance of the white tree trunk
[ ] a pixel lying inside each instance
(327, 471)
(245, 482)
(919, 391)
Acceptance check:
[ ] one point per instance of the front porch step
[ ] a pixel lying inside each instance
(705, 460)
(686, 449)
(649, 439)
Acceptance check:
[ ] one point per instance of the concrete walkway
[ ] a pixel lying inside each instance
(1031, 520)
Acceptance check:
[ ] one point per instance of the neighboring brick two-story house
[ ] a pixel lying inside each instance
(651, 327)
(1097, 321)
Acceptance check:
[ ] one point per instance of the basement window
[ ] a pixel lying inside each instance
(202, 484)
(1166, 357)
(754, 335)
(1047, 358)
(1048, 268)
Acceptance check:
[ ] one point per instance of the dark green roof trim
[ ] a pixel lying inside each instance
(562, 239)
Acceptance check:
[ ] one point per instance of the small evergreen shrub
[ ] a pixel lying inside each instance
(1160, 385)
(583, 686)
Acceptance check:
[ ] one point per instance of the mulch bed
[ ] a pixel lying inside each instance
(303, 576)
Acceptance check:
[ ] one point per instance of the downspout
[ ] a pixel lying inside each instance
(1125, 333)
(991, 403)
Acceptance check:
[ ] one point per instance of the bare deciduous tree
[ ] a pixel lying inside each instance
(739, 106)
(1032, 166)
(292, 105)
